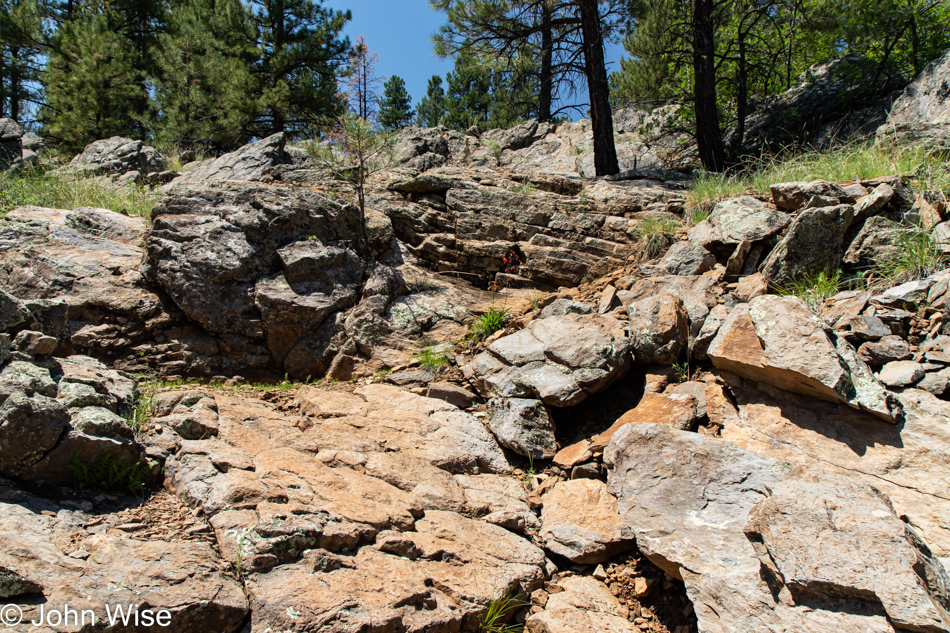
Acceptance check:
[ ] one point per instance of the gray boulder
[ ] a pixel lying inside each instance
(795, 195)
(659, 329)
(922, 113)
(117, 156)
(813, 243)
(11, 149)
(561, 307)
(742, 219)
(846, 540)
(879, 241)
(560, 360)
(259, 265)
(522, 425)
(251, 162)
(683, 258)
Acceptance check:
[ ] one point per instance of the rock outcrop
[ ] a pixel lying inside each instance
(922, 112)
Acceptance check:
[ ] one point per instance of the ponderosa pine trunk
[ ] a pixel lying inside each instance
(708, 135)
(605, 152)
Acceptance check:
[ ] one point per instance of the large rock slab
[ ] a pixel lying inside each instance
(779, 341)
(579, 521)
(824, 539)
(687, 498)
(523, 425)
(813, 243)
(742, 219)
(442, 576)
(906, 462)
(116, 156)
(259, 267)
(922, 113)
(63, 563)
(560, 360)
(250, 163)
(879, 241)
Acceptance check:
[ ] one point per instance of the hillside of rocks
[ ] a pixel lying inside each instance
(232, 413)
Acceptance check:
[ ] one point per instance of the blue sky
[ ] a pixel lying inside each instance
(399, 31)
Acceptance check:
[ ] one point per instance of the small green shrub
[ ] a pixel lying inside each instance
(656, 235)
(499, 610)
(814, 289)
(487, 324)
(432, 358)
(496, 149)
(697, 215)
(109, 472)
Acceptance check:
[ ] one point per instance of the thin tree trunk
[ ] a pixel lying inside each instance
(3, 86)
(546, 95)
(601, 119)
(742, 93)
(708, 135)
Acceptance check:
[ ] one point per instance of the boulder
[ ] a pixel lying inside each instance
(699, 295)
(888, 349)
(562, 307)
(250, 163)
(792, 196)
(116, 156)
(879, 241)
(922, 113)
(659, 329)
(779, 341)
(813, 243)
(560, 360)
(268, 267)
(870, 204)
(736, 220)
(687, 498)
(66, 563)
(11, 148)
(579, 521)
(683, 258)
(522, 425)
(831, 442)
(845, 540)
(901, 373)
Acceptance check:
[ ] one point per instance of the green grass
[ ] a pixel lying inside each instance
(141, 412)
(656, 235)
(432, 358)
(109, 472)
(487, 324)
(499, 610)
(863, 161)
(919, 256)
(66, 192)
(816, 289)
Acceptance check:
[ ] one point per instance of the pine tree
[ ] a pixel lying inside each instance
(203, 95)
(469, 98)
(431, 108)
(395, 109)
(22, 39)
(92, 88)
(301, 57)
